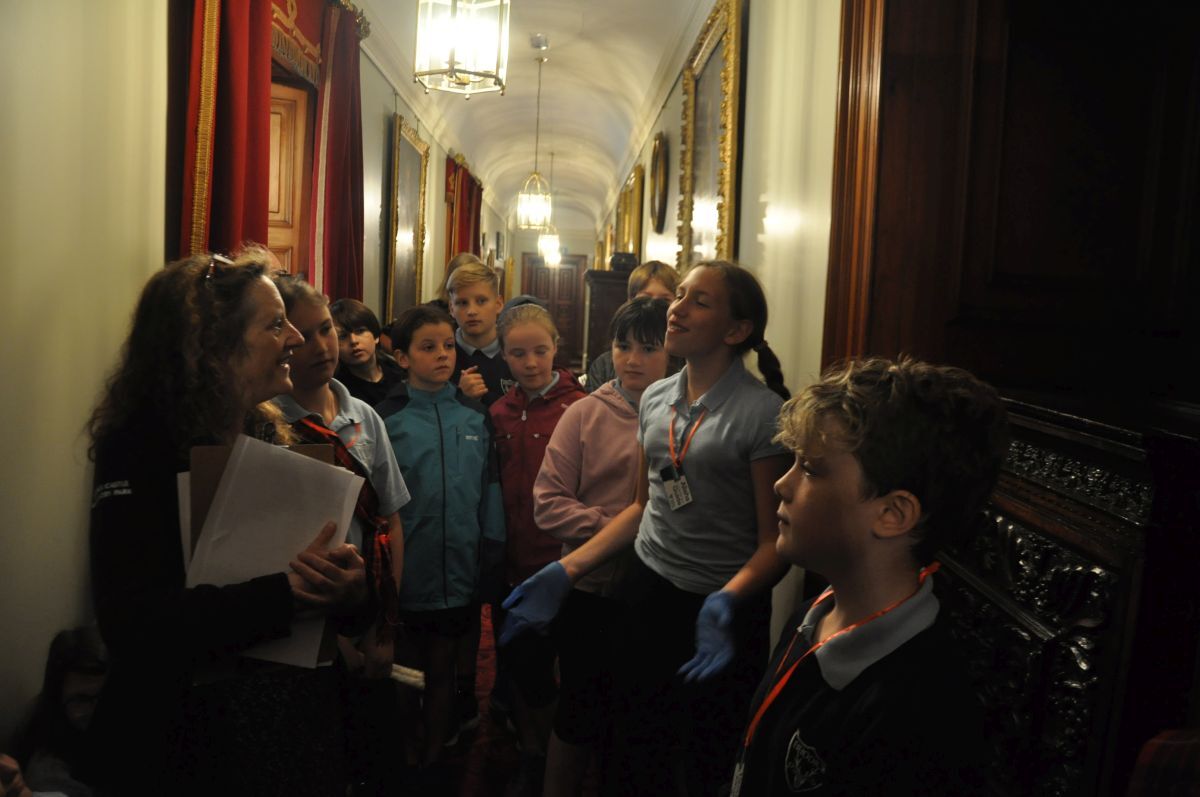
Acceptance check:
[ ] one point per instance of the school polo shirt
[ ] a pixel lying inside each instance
(491, 364)
(699, 547)
(883, 709)
(365, 436)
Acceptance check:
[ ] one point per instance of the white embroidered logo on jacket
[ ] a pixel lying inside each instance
(803, 768)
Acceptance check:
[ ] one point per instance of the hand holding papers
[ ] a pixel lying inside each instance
(265, 508)
(322, 578)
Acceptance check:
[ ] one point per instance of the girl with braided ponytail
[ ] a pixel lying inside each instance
(703, 528)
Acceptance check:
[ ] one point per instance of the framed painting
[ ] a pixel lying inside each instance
(658, 183)
(708, 174)
(405, 256)
(629, 213)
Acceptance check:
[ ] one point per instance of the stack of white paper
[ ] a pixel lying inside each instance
(269, 505)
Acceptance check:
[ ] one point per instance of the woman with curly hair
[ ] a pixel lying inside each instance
(209, 347)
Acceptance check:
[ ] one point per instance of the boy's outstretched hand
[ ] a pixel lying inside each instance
(714, 638)
(535, 602)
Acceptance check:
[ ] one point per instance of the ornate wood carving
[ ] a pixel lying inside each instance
(1093, 485)
(1060, 598)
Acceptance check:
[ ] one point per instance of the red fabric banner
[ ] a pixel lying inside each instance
(337, 198)
(296, 36)
(227, 152)
(464, 208)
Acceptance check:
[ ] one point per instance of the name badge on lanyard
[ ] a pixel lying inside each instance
(674, 482)
(676, 486)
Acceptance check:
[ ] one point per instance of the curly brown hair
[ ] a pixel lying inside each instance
(935, 431)
(189, 325)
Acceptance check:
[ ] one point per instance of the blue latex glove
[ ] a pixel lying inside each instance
(714, 638)
(535, 602)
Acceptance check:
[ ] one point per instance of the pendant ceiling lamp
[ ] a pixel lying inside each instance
(548, 244)
(462, 46)
(533, 202)
(549, 247)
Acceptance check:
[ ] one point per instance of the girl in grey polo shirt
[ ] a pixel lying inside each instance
(703, 527)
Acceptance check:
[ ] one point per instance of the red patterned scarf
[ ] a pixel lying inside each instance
(377, 552)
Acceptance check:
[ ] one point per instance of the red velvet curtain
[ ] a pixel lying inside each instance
(337, 198)
(464, 206)
(227, 148)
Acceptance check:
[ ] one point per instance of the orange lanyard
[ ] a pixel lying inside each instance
(678, 460)
(779, 684)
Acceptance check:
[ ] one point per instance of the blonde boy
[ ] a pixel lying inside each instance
(480, 370)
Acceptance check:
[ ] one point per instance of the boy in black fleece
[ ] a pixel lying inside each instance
(864, 694)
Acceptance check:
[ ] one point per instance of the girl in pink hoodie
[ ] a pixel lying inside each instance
(588, 476)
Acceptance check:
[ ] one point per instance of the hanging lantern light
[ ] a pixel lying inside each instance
(549, 247)
(533, 202)
(462, 46)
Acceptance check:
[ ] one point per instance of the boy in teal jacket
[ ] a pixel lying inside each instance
(454, 524)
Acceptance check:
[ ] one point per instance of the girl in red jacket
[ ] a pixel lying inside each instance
(524, 419)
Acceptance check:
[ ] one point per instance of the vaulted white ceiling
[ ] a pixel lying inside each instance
(611, 66)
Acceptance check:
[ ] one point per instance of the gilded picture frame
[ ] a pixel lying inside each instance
(708, 173)
(658, 183)
(629, 213)
(406, 253)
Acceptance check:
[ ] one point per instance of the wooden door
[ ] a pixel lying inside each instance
(1015, 192)
(287, 227)
(561, 287)
(1019, 195)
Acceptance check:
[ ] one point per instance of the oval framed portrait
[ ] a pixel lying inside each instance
(658, 183)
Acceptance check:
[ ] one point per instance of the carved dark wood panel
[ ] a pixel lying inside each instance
(1060, 601)
(1037, 618)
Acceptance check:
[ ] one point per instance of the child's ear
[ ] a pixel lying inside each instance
(401, 359)
(738, 332)
(899, 513)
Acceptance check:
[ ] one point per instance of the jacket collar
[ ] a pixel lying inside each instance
(843, 658)
(292, 411)
(491, 350)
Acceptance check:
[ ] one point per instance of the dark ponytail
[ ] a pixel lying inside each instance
(772, 371)
(747, 302)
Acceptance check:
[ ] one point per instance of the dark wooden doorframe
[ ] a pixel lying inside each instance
(856, 146)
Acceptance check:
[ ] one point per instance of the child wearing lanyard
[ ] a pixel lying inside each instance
(893, 460)
(703, 529)
(321, 410)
